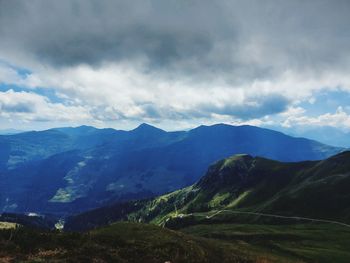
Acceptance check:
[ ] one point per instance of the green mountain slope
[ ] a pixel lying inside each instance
(227, 216)
(237, 189)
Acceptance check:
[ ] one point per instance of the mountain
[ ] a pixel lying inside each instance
(10, 131)
(243, 189)
(32, 220)
(206, 231)
(69, 170)
(325, 134)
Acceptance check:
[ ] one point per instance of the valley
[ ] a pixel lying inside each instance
(245, 208)
(65, 171)
(247, 189)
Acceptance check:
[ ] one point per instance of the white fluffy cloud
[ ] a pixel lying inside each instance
(28, 107)
(175, 63)
(119, 92)
(135, 93)
(296, 117)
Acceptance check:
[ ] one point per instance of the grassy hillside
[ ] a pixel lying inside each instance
(282, 243)
(313, 189)
(135, 242)
(7, 225)
(233, 214)
(121, 242)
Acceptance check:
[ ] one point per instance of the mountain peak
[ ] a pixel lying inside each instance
(144, 127)
(227, 171)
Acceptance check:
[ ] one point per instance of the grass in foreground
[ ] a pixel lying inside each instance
(133, 242)
(296, 243)
(120, 242)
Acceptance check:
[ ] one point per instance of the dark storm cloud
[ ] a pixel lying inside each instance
(73, 32)
(251, 108)
(255, 107)
(190, 47)
(240, 39)
(17, 108)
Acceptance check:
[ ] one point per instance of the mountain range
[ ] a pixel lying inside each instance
(70, 170)
(244, 208)
(325, 134)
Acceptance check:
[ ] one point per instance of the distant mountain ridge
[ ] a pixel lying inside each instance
(10, 131)
(70, 170)
(325, 134)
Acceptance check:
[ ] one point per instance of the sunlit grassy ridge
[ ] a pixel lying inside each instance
(7, 225)
(317, 189)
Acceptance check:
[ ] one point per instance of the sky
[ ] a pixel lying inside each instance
(175, 64)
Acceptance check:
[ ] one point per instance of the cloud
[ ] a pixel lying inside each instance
(91, 32)
(32, 107)
(121, 92)
(249, 108)
(339, 119)
(14, 76)
(181, 61)
(248, 39)
(113, 93)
